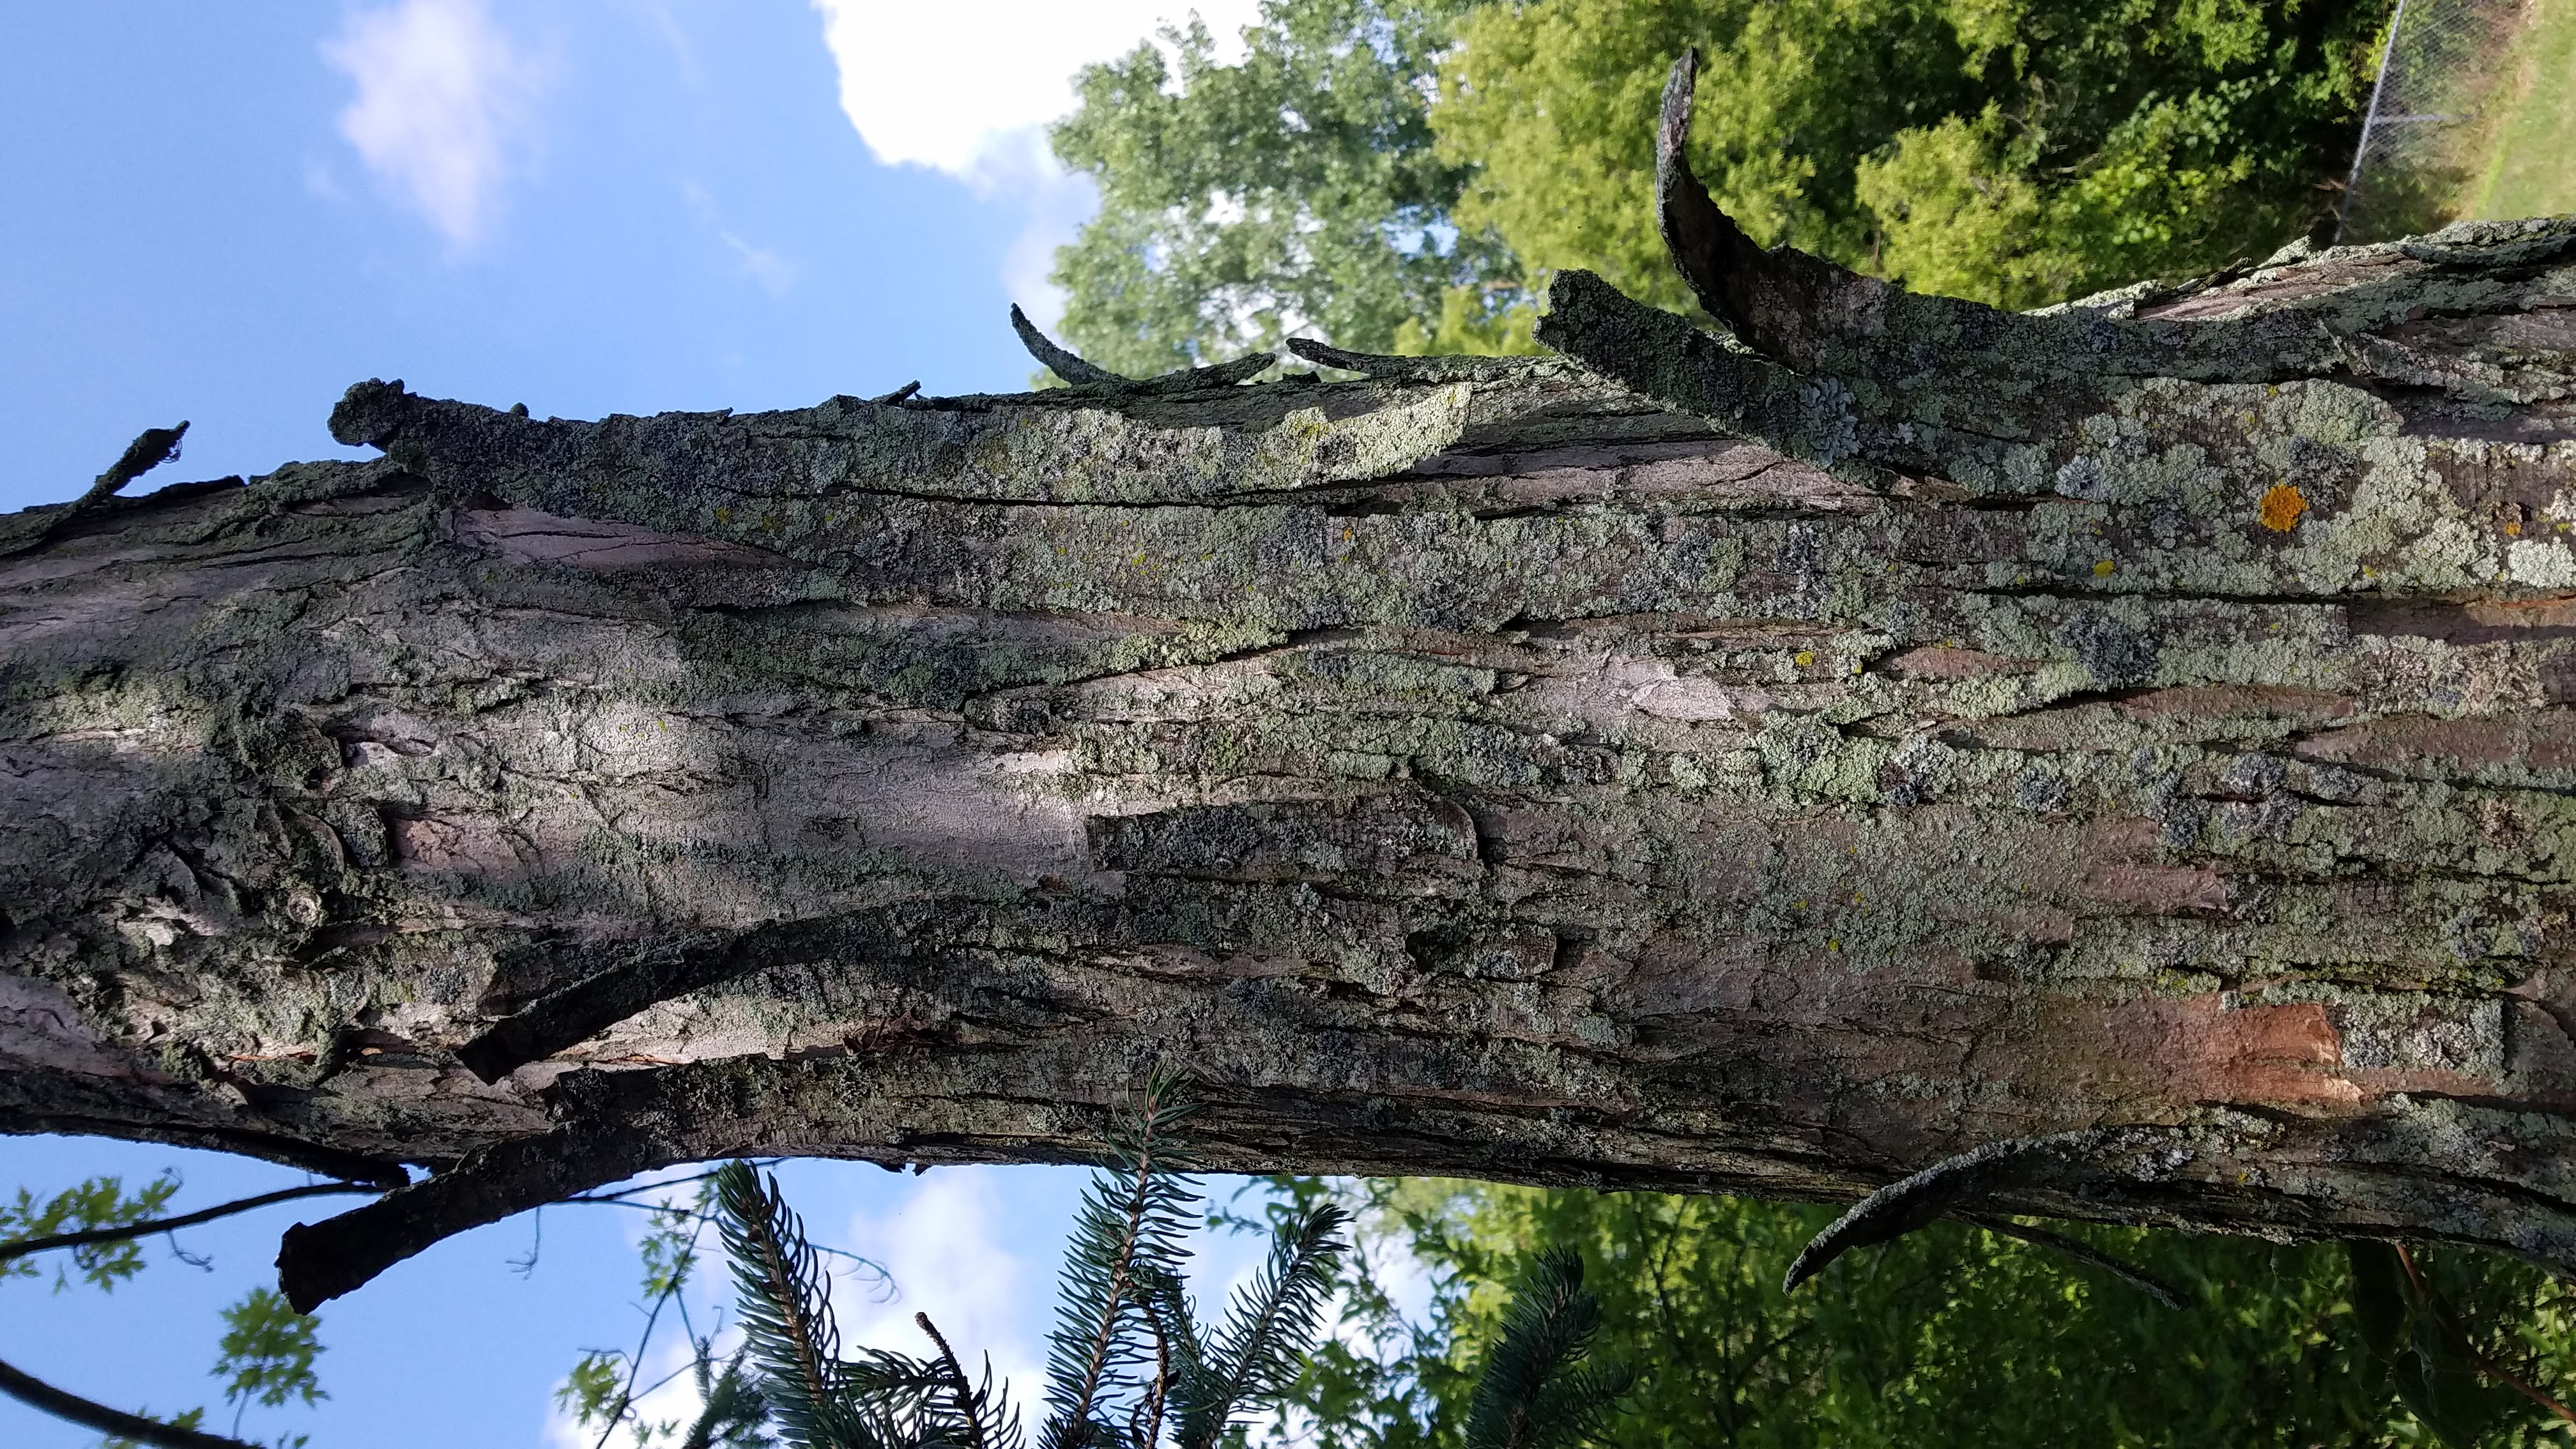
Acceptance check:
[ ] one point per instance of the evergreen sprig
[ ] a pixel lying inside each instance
(1269, 1329)
(1119, 1276)
(975, 1412)
(732, 1410)
(786, 1316)
(878, 1399)
(1536, 1390)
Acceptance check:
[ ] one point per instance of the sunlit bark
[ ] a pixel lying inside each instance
(1496, 768)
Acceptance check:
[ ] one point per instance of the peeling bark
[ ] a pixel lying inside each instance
(1770, 765)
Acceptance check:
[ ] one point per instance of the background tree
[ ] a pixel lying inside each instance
(1296, 190)
(2017, 152)
(1957, 1334)
(267, 1351)
(1392, 176)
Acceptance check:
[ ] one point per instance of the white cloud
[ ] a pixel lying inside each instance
(945, 85)
(774, 273)
(445, 107)
(968, 87)
(949, 1247)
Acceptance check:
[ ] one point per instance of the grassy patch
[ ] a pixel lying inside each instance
(2531, 168)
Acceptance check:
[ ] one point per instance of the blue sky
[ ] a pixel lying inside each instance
(228, 213)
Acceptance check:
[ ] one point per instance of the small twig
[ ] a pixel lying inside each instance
(1161, 1394)
(526, 1266)
(862, 1259)
(1921, 1198)
(635, 1365)
(84, 1238)
(38, 1394)
(658, 1185)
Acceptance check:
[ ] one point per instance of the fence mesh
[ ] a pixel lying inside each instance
(2447, 70)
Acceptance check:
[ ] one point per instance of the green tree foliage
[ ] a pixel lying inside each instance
(266, 1354)
(602, 1391)
(1952, 1335)
(2013, 151)
(1296, 189)
(191, 1419)
(267, 1351)
(100, 1202)
(1395, 176)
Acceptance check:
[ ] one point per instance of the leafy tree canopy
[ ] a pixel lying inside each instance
(1298, 188)
(1952, 1335)
(1394, 174)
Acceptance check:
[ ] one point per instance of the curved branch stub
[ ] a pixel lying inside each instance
(370, 413)
(1702, 239)
(1439, 368)
(1064, 364)
(1784, 303)
(1924, 1197)
(1666, 358)
(317, 1262)
(149, 450)
(1057, 359)
(1222, 374)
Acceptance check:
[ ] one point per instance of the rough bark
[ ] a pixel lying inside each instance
(1775, 764)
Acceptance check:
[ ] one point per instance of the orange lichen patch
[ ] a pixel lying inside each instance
(2201, 1050)
(2555, 612)
(2281, 507)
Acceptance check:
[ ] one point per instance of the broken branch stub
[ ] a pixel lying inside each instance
(1078, 373)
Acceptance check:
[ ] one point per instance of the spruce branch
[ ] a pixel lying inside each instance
(1536, 1390)
(733, 1407)
(1268, 1329)
(786, 1314)
(981, 1413)
(1179, 1355)
(1128, 1237)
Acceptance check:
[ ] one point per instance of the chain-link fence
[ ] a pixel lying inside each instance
(2449, 75)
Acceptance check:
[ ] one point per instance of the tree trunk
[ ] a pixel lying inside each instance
(1762, 767)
